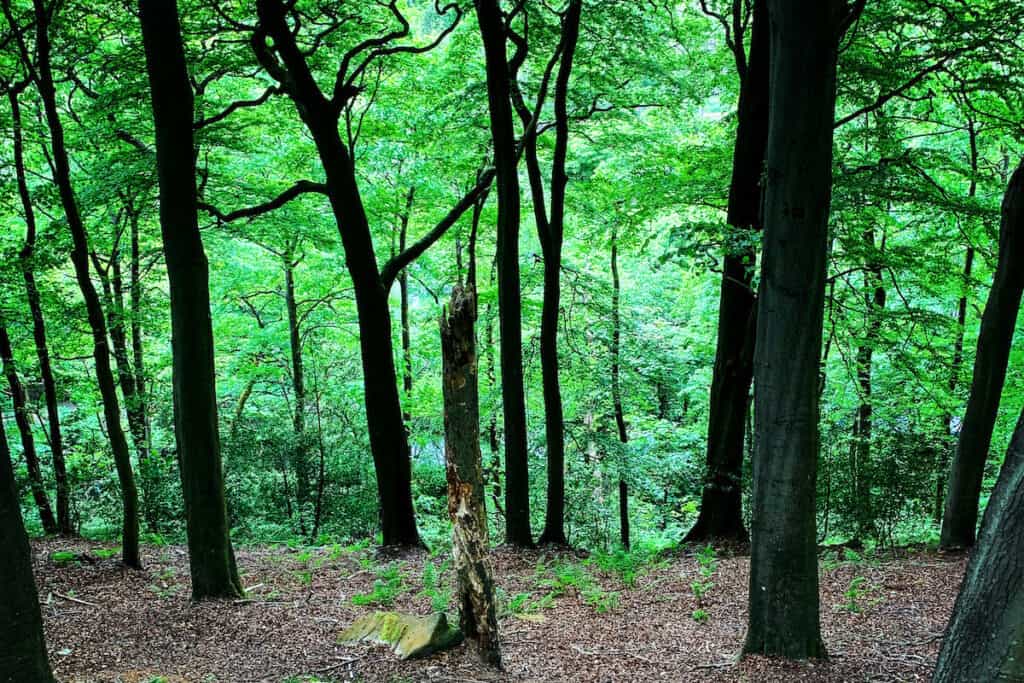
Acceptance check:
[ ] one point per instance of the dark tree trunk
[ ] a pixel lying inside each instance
(64, 525)
(43, 76)
(211, 557)
(28, 444)
(388, 441)
(403, 291)
(517, 477)
(620, 418)
(784, 619)
(493, 442)
(466, 507)
(300, 454)
(721, 510)
(23, 655)
(135, 301)
(945, 444)
(985, 637)
(860, 451)
(994, 342)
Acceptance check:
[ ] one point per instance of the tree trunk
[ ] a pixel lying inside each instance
(721, 509)
(300, 454)
(43, 76)
(23, 656)
(493, 441)
(620, 418)
(994, 342)
(466, 506)
(64, 525)
(135, 300)
(403, 290)
(211, 557)
(860, 451)
(985, 637)
(783, 596)
(388, 441)
(28, 444)
(517, 476)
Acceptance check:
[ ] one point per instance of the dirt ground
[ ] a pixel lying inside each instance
(881, 621)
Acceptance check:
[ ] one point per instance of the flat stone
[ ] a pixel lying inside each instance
(407, 635)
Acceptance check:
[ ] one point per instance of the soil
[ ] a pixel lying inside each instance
(881, 620)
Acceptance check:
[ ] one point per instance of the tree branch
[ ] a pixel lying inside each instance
(300, 188)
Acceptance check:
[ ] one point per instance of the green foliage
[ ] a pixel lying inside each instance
(389, 584)
(707, 565)
(437, 585)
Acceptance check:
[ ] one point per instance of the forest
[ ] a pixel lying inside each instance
(490, 340)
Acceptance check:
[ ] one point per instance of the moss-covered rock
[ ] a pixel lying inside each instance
(407, 635)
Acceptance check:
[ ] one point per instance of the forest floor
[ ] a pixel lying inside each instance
(565, 619)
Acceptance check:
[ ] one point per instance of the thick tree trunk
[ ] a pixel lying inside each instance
(620, 417)
(994, 342)
(43, 77)
(860, 450)
(721, 509)
(23, 655)
(64, 525)
(784, 619)
(466, 506)
(985, 637)
(28, 443)
(517, 475)
(300, 454)
(211, 557)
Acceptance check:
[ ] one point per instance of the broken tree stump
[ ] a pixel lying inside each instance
(466, 507)
(407, 635)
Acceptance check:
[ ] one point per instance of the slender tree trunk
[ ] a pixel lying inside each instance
(28, 443)
(783, 618)
(945, 444)
(466, 506)
(721, 510)
(517, 478)
(43, 77)
(300, 455)
(211, 557)
(874, 300)
(403, 290)
(388, 440)
(985, 637)
(135, 301)
(23, 655)
(994, 342)
(493, 441)
(64, 525)
(620, 418)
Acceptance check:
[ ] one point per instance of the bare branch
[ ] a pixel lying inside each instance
(298, 189)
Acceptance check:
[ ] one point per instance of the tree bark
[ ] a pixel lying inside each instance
(300, 454)
(721, 509)
(783, 596)
(466, 507)
(994, 341)
(23, 655)
(620, 418)
(60, 474)
(517, 477)
(28, 443)
(403, 291)
(211, 556)
(42, 74)
(985, 637)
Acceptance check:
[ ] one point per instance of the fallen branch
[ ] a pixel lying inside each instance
(71, 599)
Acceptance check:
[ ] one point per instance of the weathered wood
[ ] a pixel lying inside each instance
(466, 505)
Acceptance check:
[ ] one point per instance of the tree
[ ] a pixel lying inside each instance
(994, 341)
(466, 506)
(985, 637)
(494, 34)
(211, 557)
(783, 597)
(620, 417)
(23, 657)
(41, 72)
(721, 507)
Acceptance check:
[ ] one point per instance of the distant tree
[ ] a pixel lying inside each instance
(211, 557)
(994, 342)
(783, 597)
